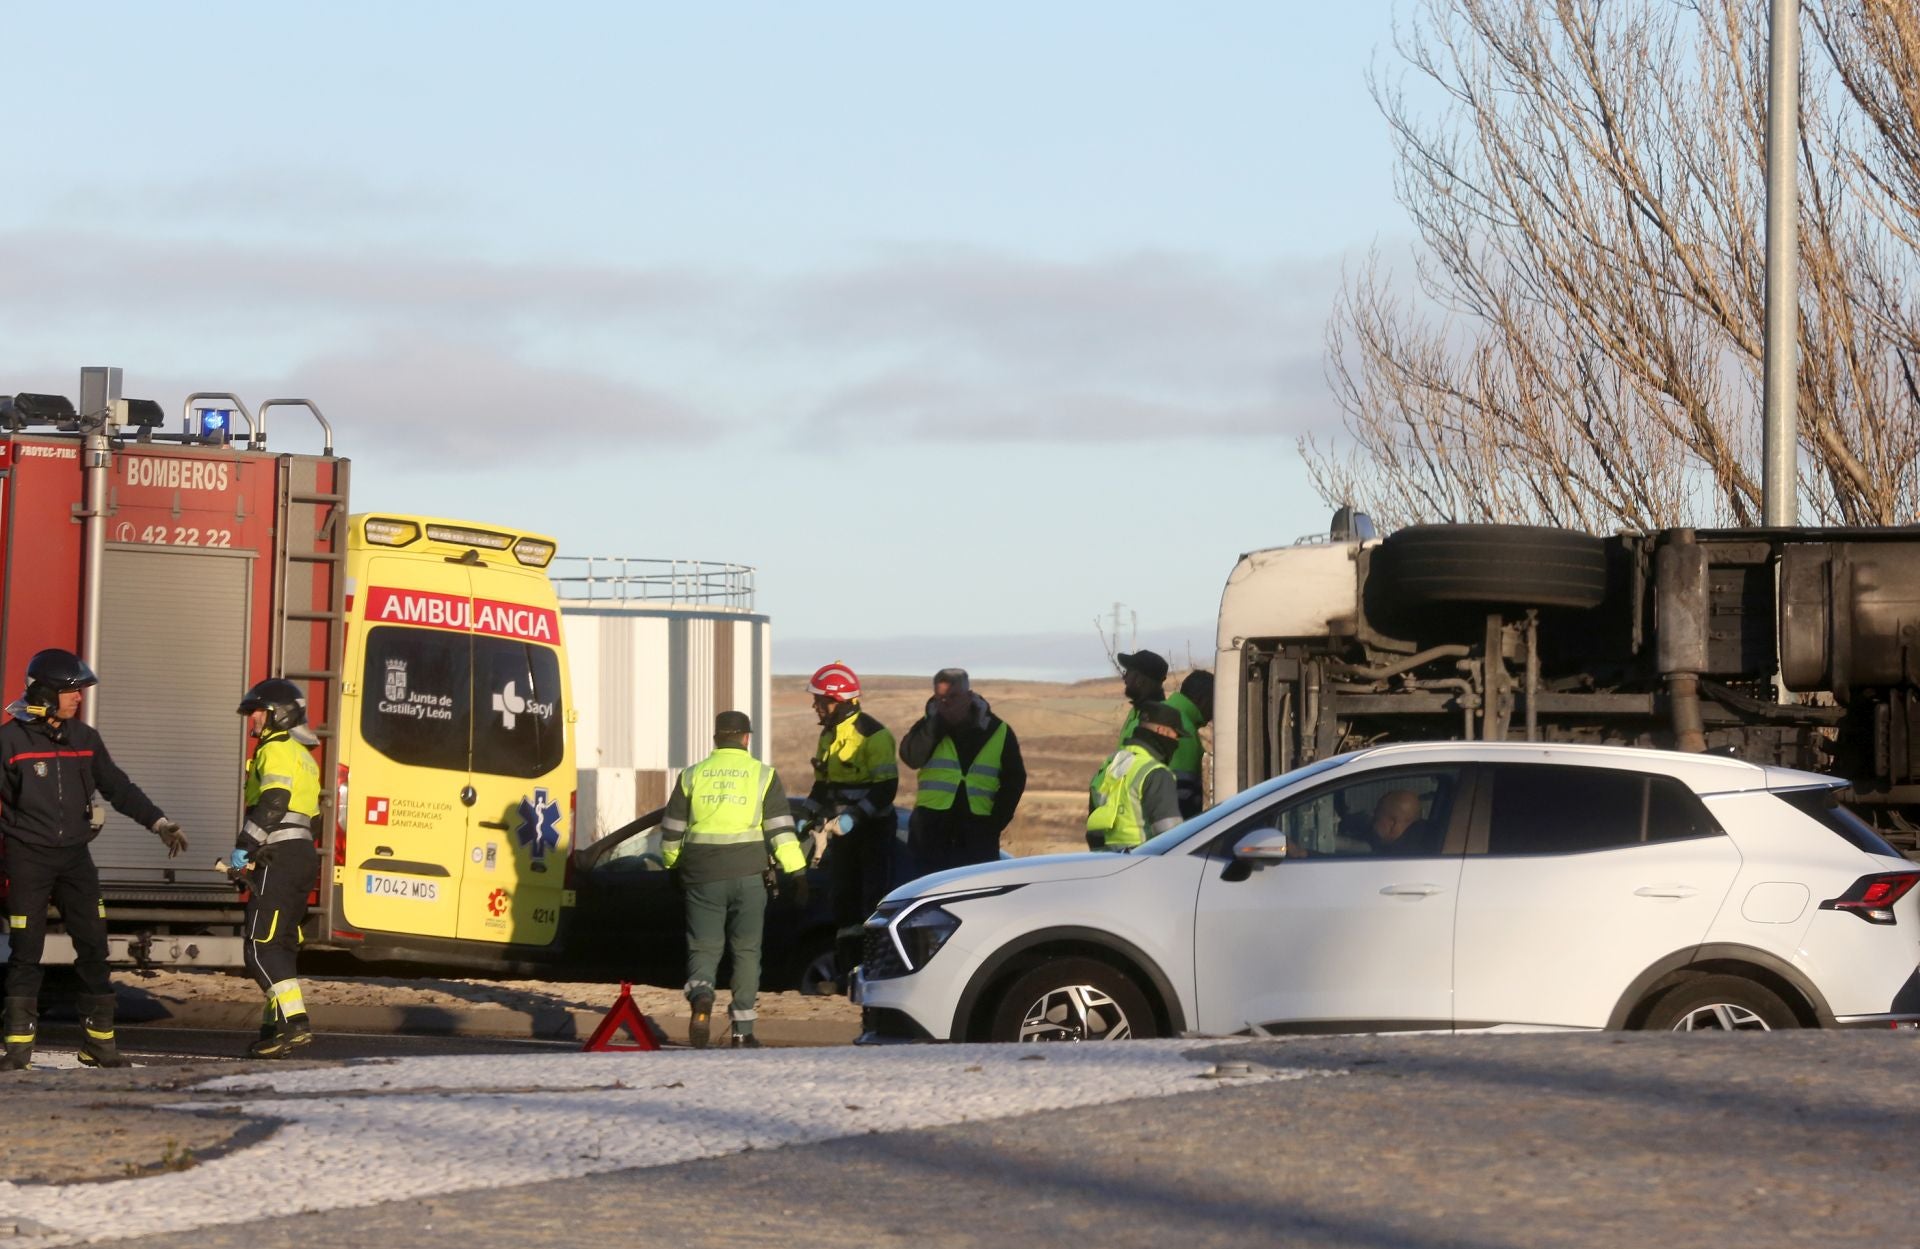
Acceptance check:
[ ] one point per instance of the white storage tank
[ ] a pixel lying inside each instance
(658, 647)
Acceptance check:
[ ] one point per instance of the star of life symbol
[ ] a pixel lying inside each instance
(396, 680)
(509, 703)
(539, 823)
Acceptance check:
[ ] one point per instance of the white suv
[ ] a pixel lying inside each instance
(1451, 885)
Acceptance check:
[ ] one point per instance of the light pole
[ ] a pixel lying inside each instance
(1779, 478)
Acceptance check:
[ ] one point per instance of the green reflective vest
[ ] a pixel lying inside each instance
(726, 795)
(279, 762)
(940, 780)
(1186, 756)
(1116, 798)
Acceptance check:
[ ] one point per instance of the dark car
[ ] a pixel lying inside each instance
(627, 920)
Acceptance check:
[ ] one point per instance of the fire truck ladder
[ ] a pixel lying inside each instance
(309, 596)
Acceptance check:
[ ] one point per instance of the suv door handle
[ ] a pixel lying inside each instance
(1665, 891)
(1410, 891)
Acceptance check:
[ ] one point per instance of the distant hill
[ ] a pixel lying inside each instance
(1015, 656)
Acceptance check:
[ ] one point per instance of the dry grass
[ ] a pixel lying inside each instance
(1065, 730)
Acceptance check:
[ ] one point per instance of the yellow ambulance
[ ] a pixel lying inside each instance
(457, 788)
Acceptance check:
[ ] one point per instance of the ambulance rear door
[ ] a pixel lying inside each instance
(521, 824)
(410, 799)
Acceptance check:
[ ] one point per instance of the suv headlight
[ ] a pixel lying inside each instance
(919, 934)
(917, 929)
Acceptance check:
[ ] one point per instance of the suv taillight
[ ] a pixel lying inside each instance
(1872, 897)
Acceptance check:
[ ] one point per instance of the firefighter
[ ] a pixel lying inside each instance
(855, 778)
(1137, 797)
(51, 765)
(727, 814)
(1194, 702)
(960, 748)
(275, 852)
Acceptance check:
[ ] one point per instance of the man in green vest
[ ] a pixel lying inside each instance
(1136, 798)
(1143, 681)
(971, 777)
(1194, 702)
(726, 816)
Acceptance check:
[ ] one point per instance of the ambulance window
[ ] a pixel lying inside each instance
(519, 724)
(416, 695)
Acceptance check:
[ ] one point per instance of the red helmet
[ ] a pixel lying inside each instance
(835, 681)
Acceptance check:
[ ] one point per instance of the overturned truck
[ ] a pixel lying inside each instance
(1798, 647)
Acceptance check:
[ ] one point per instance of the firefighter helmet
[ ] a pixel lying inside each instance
(281, 699)
(52, 671)
(835, 681)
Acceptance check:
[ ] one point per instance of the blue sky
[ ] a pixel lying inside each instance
(952, 322)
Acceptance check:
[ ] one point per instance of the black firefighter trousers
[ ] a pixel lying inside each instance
(282, 876)
(66, 877)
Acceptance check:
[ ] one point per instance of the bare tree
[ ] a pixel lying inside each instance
(1583, 343)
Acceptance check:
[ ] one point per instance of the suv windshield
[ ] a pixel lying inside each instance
(424, 687)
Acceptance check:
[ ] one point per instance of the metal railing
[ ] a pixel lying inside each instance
(618, 579)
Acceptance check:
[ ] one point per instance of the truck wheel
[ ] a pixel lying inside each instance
(1719, 1004)
(1073, 999)
(1491, 566)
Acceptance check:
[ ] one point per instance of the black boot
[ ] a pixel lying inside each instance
(292, 1032)
(98, 1048)
(746, 1041)
(19, 1015)
(700, 1027)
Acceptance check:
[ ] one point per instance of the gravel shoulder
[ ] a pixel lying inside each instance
(173, 990)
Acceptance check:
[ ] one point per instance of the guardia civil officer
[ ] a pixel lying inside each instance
(51, 765)
(726, 816)
(275, 849)
(1136, 797)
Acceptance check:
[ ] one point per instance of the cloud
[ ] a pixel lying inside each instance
(966, 344)
(454, 404)
(67, 273)
(923, 343)
(434, 404)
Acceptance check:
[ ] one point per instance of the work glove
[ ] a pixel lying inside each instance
(170, 835)
(1096, 841)
(237, 861)
(797, 882)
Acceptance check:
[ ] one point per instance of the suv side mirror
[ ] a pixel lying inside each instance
(1265, 846)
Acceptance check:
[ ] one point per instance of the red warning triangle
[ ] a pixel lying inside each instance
(625, 1014)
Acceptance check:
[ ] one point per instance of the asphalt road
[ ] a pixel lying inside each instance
(1512, 1142)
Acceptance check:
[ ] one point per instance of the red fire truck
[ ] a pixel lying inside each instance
(184, 565)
